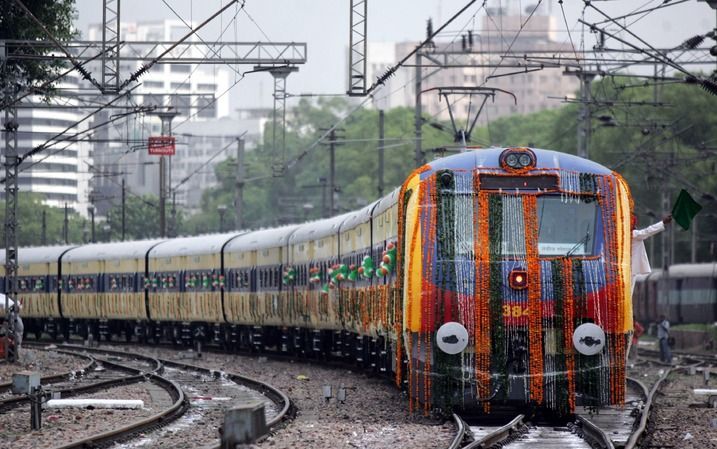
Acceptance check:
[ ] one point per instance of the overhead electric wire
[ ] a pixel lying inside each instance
(391, 70)
(85, 74)
(145, 67)
(210, 46)
(52, 153)
(221, 150)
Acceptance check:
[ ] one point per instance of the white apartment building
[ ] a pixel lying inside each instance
(57, 173)
(196, 93)
(532, 90)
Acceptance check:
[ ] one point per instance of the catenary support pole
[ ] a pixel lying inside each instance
(239, 185)
(381, 119)
(11, 225)
(124, 206)
(418, 123)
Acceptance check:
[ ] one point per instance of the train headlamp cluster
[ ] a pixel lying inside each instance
(515, 159)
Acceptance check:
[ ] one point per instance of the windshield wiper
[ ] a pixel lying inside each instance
(582, 241)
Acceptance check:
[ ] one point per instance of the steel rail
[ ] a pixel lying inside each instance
(635, 437)
(277, 396)
(594, 435)
(460, 433)
(499, 435)
(178, 408)
(136, 376)
(7, 386)
(180, 405)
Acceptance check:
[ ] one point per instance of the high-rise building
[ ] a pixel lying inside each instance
(480, 51)
(57, 173)
(196, 93)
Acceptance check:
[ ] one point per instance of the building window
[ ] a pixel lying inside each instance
(211, 87)
(153, 85)
(177, 86)
(180, 68)
(207, 107)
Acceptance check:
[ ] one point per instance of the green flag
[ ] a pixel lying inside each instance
(685, 209)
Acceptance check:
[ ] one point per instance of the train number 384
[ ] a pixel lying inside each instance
(515, 311)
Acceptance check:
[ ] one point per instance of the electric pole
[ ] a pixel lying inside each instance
(239, 185)
(124, 205)
(43, 235)
(66, 226)
(166, 118)
(585, 115)
(334, 189)
(380, 151)
(418, 123)
(92, 218)
(332, 172)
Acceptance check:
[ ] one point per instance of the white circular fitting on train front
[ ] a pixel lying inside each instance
(452, 338)
(589, 339)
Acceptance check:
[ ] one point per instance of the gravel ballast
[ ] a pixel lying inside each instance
(45, 363)
(374, 415)
(62, 426)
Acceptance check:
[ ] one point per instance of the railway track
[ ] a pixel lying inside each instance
(191, 404)
(693, 370)
(6, 387)
(99, 378)
(607, 428)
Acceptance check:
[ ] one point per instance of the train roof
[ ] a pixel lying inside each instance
(489, 158)
(190, 246)
(261, 238)
(38, 254)
(360, 216)
(387, 202)
(110, 251)
(708, 270)
(319, 229)
(687, 270)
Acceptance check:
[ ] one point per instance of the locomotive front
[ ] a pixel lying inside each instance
(515, 276)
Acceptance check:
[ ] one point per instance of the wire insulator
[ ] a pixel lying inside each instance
(693, 42)
(710, 86)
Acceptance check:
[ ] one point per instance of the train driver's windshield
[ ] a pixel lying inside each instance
(566, 227)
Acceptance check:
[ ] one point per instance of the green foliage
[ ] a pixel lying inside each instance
(29, 218)
(654, 148)
(141, 219)
(56, 15)
(297, 195)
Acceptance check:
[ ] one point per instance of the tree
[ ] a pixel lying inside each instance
(56, 16)
(141, 218)
(29, 218)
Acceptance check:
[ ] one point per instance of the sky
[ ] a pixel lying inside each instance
(324, 26)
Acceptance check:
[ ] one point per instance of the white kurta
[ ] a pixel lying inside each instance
(640, 262)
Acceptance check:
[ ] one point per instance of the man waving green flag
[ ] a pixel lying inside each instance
(685, 209)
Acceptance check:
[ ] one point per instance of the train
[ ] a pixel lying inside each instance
(685, 293)
(491, 278)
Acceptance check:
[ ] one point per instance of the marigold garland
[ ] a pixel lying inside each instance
(568, 329)
(535, 309)
(482, 296)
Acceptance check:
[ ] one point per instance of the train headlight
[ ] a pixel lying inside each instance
(452, 338)
(589, 339)
(512, 160)
(518, 279)
(517, 159)
(524, 160)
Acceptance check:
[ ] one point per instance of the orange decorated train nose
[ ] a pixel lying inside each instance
(518, 279)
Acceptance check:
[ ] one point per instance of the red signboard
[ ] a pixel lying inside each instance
(161, 146)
